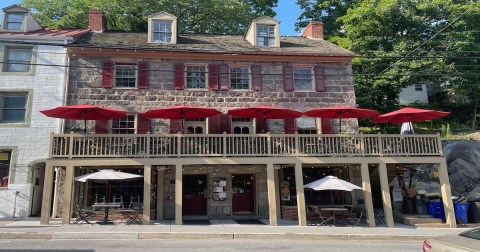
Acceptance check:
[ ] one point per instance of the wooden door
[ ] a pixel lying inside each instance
(243, 193)
(194, 195)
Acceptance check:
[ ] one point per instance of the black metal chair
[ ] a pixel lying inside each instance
(358, 211)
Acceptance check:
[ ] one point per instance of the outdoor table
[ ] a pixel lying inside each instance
(333, 210)
(106, 207)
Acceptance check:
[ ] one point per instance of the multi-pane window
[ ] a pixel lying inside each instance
(4, 167)
(125, 75)
(306, 125)
(194, 126)
(13, 107)
(162, 31)
(265, 35)
(124, 125)
(242, 125)
(418, 87)
(14, 21)
(239, 78)
(196, 76)
(302, 79)
(18, 59)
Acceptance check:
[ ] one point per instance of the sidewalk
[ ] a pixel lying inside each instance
(226, 229)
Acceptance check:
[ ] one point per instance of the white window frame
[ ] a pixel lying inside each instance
(300, 126)
(7, 63)
(243, 123)
(195, 124)
(187, 66)
(125, 120)
(418, 87)
(26, 106)
(6, 25)
(126, 65)
(248, 73)
(261, 35)
(168, 31)
(303, 78)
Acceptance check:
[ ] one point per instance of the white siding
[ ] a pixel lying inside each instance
(409, 95)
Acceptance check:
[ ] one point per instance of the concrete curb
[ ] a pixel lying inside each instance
(184, 236)
(25, 235)
(96, 235)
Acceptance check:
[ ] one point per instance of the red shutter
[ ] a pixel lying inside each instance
(214, 124)
(327, 127)
(225, 123)
(179, 76)
(175, 126)
(288, 78)
(223, 77)
(143, 124)
(101, 127)
(261, 125)
(107, 74)
(142, 81)
(212, 77)
(320, 79)
(290, 126)
(257, 77)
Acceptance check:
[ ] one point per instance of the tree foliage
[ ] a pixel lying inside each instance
(194, 16)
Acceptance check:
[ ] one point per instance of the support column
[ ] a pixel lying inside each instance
(272, 204)
(47, 194)
(160, 179)
(446, 194)
(387, 203)
(147, 189)
(367, 195)
(277, 189)
(178, 194)
(302, 215)
(67, 195)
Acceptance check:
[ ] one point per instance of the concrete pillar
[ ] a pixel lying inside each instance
(178, 194)
(160, 179)
(272, 205)
(277, 189)
(68, 195)
(367, 195)
(446, 194)
(302, 215)
(387, 203)
(147, 188)
(47, 194)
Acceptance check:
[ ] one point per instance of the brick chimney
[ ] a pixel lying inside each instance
(96, 21)
(314, 30)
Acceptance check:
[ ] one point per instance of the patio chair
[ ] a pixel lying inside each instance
(99, 199)
(324, 219)
(83, 216)
(358, 211)
(118, 199)
(312, 216)
(132, 215)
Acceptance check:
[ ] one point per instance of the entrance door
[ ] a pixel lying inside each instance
(243, 193)
(37, 189)
(194, 195)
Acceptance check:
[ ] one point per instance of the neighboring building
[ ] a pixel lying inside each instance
(221, 167)
(414, 94)
(32, 77)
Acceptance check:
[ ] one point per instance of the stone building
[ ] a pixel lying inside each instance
(33, 74)
(220, 166)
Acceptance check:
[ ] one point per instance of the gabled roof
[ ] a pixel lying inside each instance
(16, 6)
(212, 44)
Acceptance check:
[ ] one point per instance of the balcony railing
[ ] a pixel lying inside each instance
(236, 145)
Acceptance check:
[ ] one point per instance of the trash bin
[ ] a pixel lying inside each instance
(474, 212)
(435, 209)
(461, 212)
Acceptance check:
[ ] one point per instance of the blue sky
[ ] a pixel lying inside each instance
(287, 14)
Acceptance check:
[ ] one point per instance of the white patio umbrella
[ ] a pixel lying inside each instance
(331, 183)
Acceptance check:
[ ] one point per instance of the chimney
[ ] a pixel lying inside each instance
(96, 21)
(314, 30)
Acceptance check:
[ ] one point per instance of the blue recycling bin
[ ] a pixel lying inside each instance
(435, 209)
(461, 212)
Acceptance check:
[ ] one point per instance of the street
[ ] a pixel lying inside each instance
(207, 245)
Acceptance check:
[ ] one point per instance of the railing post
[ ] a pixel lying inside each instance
(70, 148)
(179, 144)
(224, 139)
(50, 152)
(297, 144)
(439, 142)
(362, 144)
(380, 144)
(147, 150)
(269, 144)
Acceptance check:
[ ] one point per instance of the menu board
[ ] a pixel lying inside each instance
(219, 188)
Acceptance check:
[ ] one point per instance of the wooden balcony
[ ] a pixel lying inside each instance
(233, 145)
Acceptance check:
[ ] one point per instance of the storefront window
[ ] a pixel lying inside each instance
(4, 167)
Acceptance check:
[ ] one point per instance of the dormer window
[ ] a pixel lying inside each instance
(265, 35)
(162, 28)
(14, 22)
(162, 31)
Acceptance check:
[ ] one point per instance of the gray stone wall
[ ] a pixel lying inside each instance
(85, 87)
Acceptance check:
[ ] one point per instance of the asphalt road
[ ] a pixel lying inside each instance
(206, 245)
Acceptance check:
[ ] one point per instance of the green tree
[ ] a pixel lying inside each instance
(195, 16)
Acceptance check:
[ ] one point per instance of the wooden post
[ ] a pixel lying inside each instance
(302, 215)
(67, 195)
(47, 194)
(446, 194)
(178, 194)
(387, 203)
(272, 206)
(147, 185)
(367, 195)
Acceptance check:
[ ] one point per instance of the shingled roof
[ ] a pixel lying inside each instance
(212, 44)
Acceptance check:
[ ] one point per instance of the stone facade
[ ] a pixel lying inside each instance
(45, 86)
